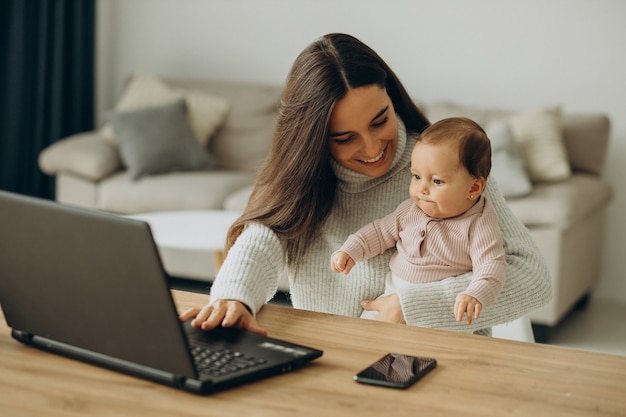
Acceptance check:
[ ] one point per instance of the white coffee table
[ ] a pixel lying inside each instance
(190, 243)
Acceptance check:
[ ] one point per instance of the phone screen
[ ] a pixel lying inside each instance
(396, 370)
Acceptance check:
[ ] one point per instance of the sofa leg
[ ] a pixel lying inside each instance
(541, 332)
(582, 303)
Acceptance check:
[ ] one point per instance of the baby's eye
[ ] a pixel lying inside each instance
(417, 177)
(438, 182)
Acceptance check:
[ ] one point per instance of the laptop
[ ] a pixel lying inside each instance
(90, 285)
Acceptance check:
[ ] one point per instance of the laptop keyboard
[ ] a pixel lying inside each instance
(220, 362)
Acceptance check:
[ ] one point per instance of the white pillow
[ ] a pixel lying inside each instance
(538, 134)
(540, 137)
(206, 112)
(507, 162)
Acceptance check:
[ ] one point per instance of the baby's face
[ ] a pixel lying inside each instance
(440, 184)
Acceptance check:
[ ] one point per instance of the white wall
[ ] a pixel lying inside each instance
(516, 54)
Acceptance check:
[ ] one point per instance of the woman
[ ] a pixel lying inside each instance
(340, 158)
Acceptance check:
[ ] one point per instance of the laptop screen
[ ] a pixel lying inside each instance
(91, 280)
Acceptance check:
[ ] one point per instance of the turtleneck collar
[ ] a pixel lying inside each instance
(354, 182)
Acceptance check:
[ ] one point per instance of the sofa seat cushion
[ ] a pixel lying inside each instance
(238, 200)
(194, 190)
(562, 204)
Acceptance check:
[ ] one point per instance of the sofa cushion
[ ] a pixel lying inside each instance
(507, 163)
(540, 137)
(206, 112)
(155, 140)
(195, 190)
(244, 140)
(538, 132)
(563, 203)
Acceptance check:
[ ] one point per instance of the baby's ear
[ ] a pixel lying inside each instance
(478, 186)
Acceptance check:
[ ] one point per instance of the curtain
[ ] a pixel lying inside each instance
(46, 84)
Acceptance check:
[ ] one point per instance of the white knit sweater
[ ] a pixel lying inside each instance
(251, 270)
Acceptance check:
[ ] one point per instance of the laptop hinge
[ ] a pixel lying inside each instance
(22, 337)
(100, 359)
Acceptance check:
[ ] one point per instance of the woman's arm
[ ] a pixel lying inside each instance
(247, 279)
(251, 270)
(527, 285)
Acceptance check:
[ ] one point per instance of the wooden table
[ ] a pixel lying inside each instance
(475, 376)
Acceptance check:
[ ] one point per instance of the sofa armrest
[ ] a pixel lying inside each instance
(83, 154)
(586, 138)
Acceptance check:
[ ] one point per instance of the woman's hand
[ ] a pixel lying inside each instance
(388, 307)
(227, 313)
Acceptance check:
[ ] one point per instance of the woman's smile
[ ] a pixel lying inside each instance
(375, 159)
(364, 131)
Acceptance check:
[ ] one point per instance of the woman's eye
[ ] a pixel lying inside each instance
(341, 141)
(381, 123)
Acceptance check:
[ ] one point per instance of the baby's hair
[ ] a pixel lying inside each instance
(472, 141)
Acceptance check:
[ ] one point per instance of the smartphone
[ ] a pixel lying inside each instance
(396, 370)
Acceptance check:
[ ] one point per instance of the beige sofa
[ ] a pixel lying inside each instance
(89, 170)
(563, 209)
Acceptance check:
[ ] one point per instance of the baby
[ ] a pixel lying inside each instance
(446, 228)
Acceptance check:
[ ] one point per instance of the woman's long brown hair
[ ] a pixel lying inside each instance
(295, 189)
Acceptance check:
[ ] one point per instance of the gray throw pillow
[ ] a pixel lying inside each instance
(159, 139)
(507, 162)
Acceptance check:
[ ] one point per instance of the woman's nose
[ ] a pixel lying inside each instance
(371, 147)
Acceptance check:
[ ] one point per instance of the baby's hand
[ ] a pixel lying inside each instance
(341, 262)
(467, 304)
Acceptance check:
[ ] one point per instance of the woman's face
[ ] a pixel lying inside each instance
(364, 131)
